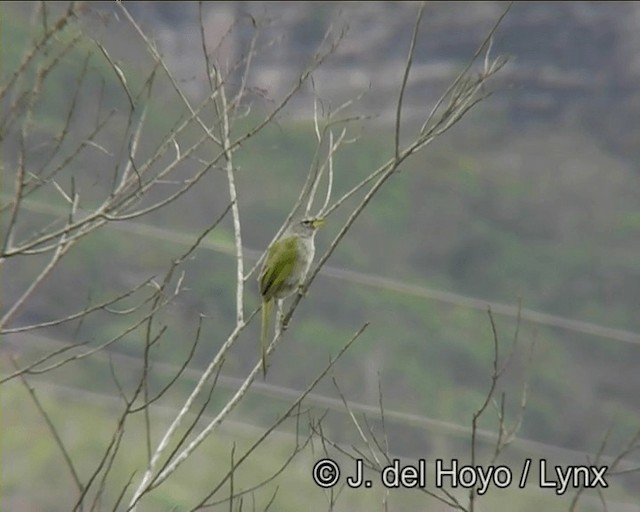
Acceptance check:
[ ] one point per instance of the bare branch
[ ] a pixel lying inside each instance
(405, 79)
(225, 136)
(295, 405)
(81, 314)
(52, 430)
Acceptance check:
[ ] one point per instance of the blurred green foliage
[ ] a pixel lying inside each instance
(546, 224)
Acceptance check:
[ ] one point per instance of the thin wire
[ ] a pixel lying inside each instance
(407, 419)
(377, 281)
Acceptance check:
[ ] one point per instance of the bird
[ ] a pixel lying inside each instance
(284, 270)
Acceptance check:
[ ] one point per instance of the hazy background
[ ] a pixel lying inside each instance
(535, 196)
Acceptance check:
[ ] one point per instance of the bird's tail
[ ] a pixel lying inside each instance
(266, 314)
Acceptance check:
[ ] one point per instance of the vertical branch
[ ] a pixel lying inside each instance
(203, 41)
(405, 78)
(329, 163)
(495, 374)
(16, 201)
(225, 137)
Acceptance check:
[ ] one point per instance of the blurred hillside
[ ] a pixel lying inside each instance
(534, 197)
(573, 63)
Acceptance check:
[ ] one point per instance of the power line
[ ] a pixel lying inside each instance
(236, 426)
(376, 281)
(482, 304)
(411, 420)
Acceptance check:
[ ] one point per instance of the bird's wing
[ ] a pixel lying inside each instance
(278, 266)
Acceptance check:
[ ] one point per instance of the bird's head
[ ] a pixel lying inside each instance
(308, 226)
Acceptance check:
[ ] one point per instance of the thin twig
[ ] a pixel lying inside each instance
(52, 429)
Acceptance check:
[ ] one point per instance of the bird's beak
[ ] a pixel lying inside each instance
(318, 223)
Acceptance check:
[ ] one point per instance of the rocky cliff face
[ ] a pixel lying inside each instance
(569, 62)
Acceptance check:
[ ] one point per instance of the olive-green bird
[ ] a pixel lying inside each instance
(285, 269)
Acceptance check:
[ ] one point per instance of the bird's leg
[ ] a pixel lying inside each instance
(302, 290)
